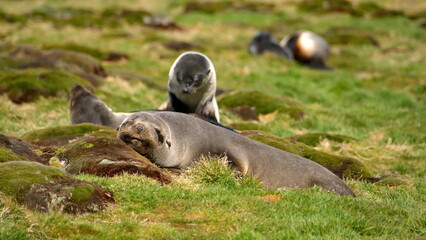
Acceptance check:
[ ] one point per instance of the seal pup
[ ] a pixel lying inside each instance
(192, 86)
(307, 48)
(263, 41)
(86, 107)
(176, 140)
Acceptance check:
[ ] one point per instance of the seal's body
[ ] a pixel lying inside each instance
(86, 107)
(176, 140)
(192, 86)
(307, 48)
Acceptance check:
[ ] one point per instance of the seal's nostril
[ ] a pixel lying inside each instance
(125, 137)
(139, 128)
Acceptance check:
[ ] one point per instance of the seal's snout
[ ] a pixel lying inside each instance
(125, 137)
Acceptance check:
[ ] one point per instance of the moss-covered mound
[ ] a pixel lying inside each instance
(94, 52)
(242, 126)
(45, 188)
(28, 85)
(108, 156)
(329, 6)
(78, 17)
(312, 139)
(392, 181)
(219, 6)
(14, 149)
(262, 103)
(58, 136)
(344, 167)
(364, 9)
(350, 36)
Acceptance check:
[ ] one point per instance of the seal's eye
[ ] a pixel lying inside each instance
(208, 71)
(198, 78)
(139, 128)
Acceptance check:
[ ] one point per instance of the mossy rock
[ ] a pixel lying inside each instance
(7, 155)
(312, 139)
(326, 6)
(343, 167)
(15, 149)
(77, 63)
(211, 7)
(108, 156)
(392, 181)
(43, 188)
(350, 36)
(96, 53)
(248, 126)
(58, 136)
(78, 48)
(262, 102)
(28, 85)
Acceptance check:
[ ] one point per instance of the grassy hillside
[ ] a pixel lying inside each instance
(375, 94)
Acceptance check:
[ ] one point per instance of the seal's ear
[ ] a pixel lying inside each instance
(162, 136)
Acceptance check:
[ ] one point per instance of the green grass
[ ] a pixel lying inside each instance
(375, 94)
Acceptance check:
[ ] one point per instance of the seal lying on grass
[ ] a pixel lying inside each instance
(176, 140)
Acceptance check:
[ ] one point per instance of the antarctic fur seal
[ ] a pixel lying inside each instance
(307, 48)
(263, 42)
(192, 86)
(176, 140)
(87, 108)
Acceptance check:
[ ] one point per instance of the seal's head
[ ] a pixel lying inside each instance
(260, 42)
(145, 133)
(190, 72)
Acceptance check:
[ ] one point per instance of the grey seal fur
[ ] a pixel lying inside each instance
(192, 86)
(87, 108)
(176, 140)
(307, 48)
(264, 42)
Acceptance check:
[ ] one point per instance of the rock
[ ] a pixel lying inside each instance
(343, 167)
(14, 149)
(312, 139)
(44, 188)
(262, 103)
(28, 85)
(108, 156)
(58, 136)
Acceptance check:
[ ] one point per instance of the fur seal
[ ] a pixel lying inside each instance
(86, 107)
(192, 86)
(176, 140)
(263, 41)
(307, 48)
